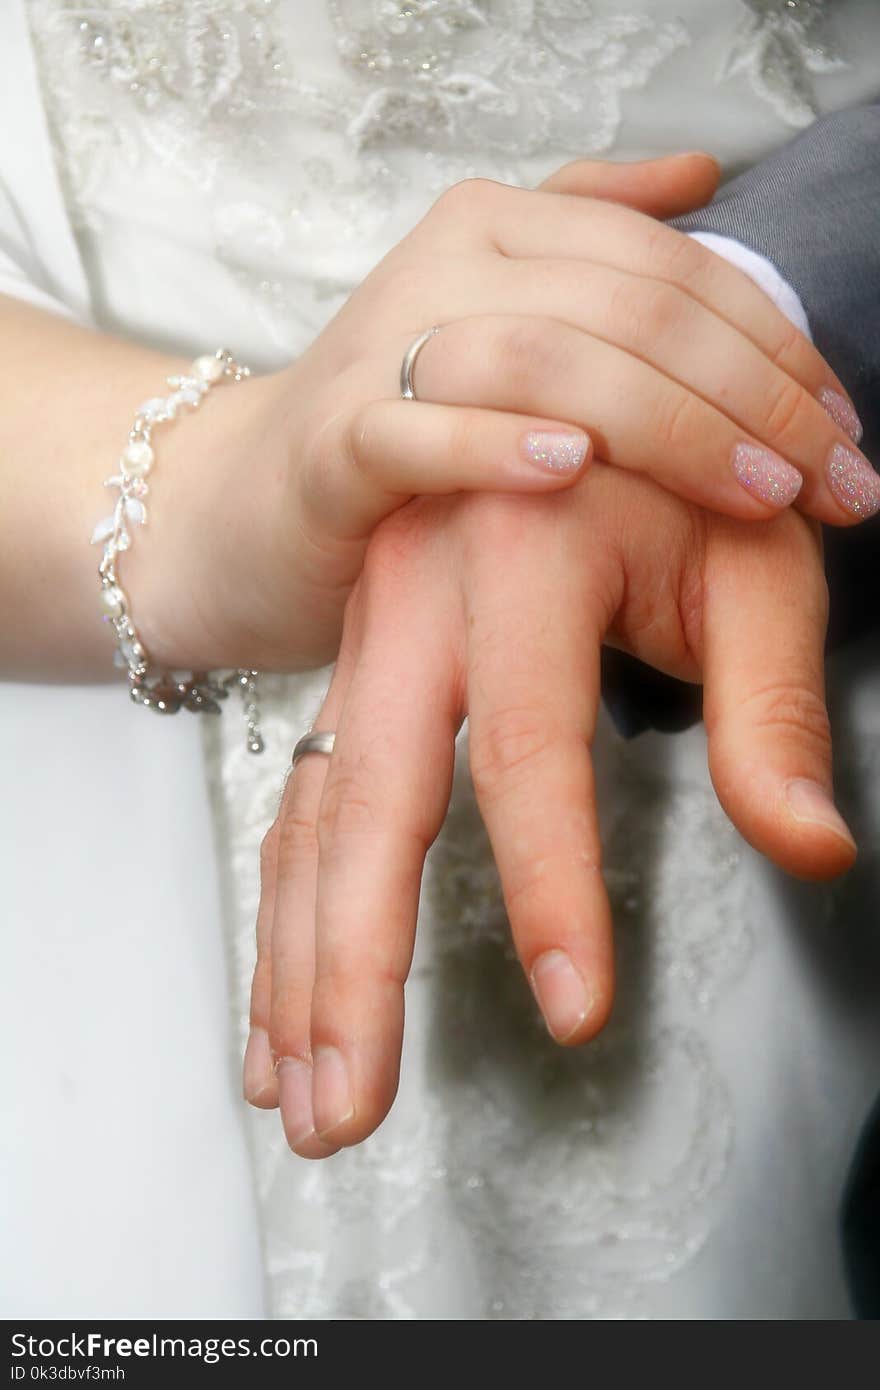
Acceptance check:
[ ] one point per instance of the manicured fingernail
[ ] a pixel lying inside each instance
(257, 1070)
(555, 452)
(808, 801)
(766, 475)
(331, 1090)
(853, 481)
(295, 1099)
(563, 997)
(842, 413)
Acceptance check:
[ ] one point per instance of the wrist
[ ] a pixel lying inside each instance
(192, 572)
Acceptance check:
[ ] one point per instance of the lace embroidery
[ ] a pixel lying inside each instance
(780, 48)
(301, 168)
(513, 79)
(420, 96)
(520, 1172)
(566, 1184)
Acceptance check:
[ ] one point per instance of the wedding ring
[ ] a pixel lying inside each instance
(313, 743)
(407, 366)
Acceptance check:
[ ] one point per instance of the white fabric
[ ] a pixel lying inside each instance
(19, 274)
(762, 271)
(126, 1187)
(230, 170)
(38, 254)
(127, 1190)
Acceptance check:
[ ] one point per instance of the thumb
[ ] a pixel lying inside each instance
(764, 700)
(659, 187)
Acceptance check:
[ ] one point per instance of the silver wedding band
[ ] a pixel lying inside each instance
(323, 741)
(408, 365)
(313, 743)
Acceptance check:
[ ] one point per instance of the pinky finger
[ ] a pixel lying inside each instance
(397, 449)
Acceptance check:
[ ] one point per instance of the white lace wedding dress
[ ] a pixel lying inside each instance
(229, 170)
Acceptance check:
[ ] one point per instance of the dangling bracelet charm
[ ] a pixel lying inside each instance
(165, 691)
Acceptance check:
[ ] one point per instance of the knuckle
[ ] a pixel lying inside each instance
(468, 197)
(504, 748)
(346, 809)
(371, 966)
(679, 421)
(467, 442)
(644, 310)
(677, 257)
(788, 708)
(531, 354)
(296, 842)
(789, 341)
(783, 409)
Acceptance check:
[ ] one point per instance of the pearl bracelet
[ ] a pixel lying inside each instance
(165, 691)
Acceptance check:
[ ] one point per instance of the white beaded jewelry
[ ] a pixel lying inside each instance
(165, 691)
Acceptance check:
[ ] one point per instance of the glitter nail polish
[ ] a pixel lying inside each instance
(766, 475)
(853, 481)
(841, 412)
(554, 451)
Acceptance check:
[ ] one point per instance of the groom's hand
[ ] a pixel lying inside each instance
(496, 608)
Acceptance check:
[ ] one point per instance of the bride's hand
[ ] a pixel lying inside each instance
(565, 316)
(496, 608)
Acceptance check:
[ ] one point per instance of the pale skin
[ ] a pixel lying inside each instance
(515, 647)
(564, 312)
(269, 496)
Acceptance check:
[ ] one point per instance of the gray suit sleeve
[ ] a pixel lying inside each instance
(813, 209)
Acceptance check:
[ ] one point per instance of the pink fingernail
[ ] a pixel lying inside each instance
(842, 413)
(256, 1072)
(853, 481)
(555, 452)
(331, 1090)
(562, 996)
(766, 475)
(295, 1099)
(808, 801)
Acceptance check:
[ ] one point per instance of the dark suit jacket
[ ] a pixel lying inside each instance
(813, 209)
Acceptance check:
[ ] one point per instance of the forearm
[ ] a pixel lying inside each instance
(69, 397)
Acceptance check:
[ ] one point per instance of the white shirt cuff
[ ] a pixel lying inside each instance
(762, 271)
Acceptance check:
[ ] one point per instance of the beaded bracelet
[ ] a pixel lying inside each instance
(165, 691)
